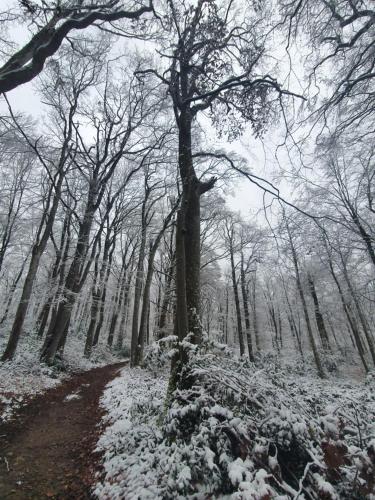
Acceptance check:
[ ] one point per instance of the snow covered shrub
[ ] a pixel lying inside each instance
(244, 431)
(158, 354)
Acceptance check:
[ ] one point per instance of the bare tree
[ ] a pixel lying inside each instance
(52, 25)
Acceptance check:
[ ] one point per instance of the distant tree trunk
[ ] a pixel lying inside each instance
(166, 297)
(361, 316)
(318, 315)
(107, 263)
(226, 315)
(237, 304)
(11, 293)
(273, 320)
(134, 348)
(94, 308)
(117, 301)
(304, 306)
(73, 283)
(351, 322)
(291, 320)
(333, 332)
(146, 292)
(61, 257)
(255, 315)
(246, 310)
(145, 304)
(125, 309)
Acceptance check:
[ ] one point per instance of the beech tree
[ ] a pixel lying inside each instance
(213, 56)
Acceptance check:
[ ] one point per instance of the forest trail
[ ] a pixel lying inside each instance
(47, 451)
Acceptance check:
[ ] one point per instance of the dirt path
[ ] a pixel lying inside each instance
(48, 451)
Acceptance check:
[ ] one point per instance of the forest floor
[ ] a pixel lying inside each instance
(46, 451)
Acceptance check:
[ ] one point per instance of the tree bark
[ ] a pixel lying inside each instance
(36, 254)
(73, 283)
(304, 307)
(318, 315)
(246, 310)
(361, 316)
(237, 304)
(134, 348)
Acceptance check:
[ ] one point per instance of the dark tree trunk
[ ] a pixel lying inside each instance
(11, 293)
(144, 323)
(104, 277)
(94, 309)
(138, 292)
(318, 315)
(124, 315)
(304, 307)
(237, 304)
(351, 321)
(73, 283)
(190, 229)
(255, 315)
(166, 298)
(58, 270)
(360, 313)
(44, 233)
(246, 310)
(145, 306)
(117, 302)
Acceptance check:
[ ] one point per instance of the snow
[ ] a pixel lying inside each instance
(133, 402)
(232, 435)
(71, 397)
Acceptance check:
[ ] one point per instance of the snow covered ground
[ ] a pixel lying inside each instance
(244, 432)
(134, 402)
(24, 377)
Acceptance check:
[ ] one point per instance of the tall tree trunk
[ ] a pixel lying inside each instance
(226, 314)
(246, 310)
(11, 293)
(117, 301)
(95, 293)
(237, 304)
(73, 283)
(124, 316)
(255, 315)
(43, 235)
(134, 348)
(190, 222)
(107, 263)
(318, 315)
(58, 268)
(166, 298)
(291, 320)
(304, 307)
(188, 252)
(146, 292)
(181, 313)
(351, 322)
(145, 306)
(361, 316)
